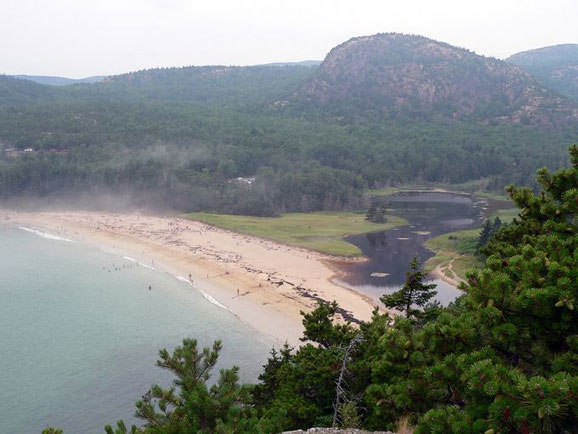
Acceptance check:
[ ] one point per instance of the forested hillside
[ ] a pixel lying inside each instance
(555, 67)
(58, 81)
(269, 139)
(14, 92)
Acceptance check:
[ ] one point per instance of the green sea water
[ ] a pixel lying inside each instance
(80, 333)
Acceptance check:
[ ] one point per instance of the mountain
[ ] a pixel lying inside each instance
(555, 67)
(59, 81)
(233, 86)
(221, 85)
(380, 110)
(416, 76)
(14, 91)
(310, 63)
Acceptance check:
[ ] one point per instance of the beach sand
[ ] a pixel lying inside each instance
(264, 283)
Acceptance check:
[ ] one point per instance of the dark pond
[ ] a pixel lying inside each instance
(429, 215)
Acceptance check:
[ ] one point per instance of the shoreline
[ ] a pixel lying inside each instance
(439, 273)
(264, 283)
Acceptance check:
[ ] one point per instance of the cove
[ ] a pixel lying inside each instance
(388, 253)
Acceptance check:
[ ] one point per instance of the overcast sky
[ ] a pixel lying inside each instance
(78, 38)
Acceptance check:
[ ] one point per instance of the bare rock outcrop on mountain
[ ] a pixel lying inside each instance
(416, 76)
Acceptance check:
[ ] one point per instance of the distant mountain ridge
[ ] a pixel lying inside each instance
(380, 110)
(389, 74)
(214, 84)
(555, 67)
(310, 63)
(65, 81)
(396, 73)
(16, 91)
(218, 85)
(59, 81)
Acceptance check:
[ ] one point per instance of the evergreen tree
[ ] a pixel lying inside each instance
(488, 232)
(190, 405)
(485, 235)
(414, 293)
(380, 215)
(376, 214)
(370, 215)
(319, 326)
(497, 225)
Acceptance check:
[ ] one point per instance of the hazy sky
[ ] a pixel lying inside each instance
(78, 38)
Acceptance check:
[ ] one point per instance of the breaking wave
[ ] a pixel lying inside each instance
(45, 234)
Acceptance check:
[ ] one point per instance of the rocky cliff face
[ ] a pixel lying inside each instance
(411, 74)
(555, 67)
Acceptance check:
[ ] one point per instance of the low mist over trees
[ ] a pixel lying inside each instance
(189, 157)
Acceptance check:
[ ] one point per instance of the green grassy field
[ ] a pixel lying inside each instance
(476, 188)
(457, 246)
(461, 246)
(462, 242)
(506, 215)
(493, 196)
(321, 231)
(388, 191)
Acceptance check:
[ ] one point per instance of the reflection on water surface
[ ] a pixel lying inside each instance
(429, 215)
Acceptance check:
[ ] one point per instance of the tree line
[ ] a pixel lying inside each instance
(187, 155)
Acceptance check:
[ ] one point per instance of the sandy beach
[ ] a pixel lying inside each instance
(264, 283)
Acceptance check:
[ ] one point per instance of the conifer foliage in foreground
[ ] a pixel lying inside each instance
(502, 359)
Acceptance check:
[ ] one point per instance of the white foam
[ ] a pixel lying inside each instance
(45, 234)
(208, 297)
(211, 300)
(128, 258)
(183, 279)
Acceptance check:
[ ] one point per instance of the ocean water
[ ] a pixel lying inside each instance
(80, 333)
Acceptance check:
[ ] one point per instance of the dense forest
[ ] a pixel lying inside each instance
(501, 359)
(263, 140)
